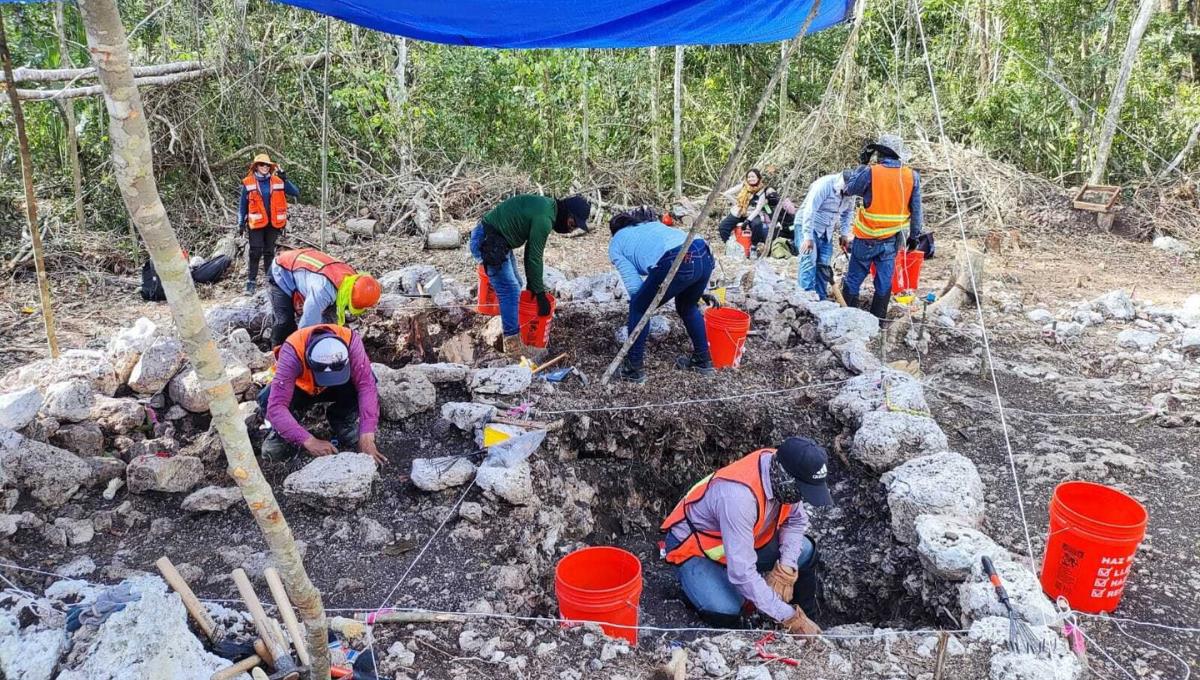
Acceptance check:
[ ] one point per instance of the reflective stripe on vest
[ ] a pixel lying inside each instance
(299, 343)
(256, 210)
(891, 190)
(746, 471)
(313, 260)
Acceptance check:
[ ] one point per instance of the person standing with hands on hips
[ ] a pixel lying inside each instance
(263, 212)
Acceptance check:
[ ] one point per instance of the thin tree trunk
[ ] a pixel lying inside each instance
(92, 90)
(31, 217)
(726, 173)
(52, 75)
(325, 139)
(1184, 152)
(782, 87)
(401, 71)
(1113, 114)
(655, 159)
(678, 113)
(133, 164)
(583, 105)
(68, 112)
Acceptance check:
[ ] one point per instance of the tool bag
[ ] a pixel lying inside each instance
(494, 249)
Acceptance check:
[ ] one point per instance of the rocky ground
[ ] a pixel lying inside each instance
(109, 464)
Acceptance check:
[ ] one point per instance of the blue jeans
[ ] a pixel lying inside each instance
(706, 584)
(864, 253)
(686, 288)
(810, 276)
(505, 281)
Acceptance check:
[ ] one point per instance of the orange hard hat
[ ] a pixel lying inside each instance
(365, 292)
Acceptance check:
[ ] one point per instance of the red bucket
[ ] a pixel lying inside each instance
(601, 585)
(535, 330)
(488, 304)
(906, 275)
(726, 329)
(1095, 531)
(743, 237)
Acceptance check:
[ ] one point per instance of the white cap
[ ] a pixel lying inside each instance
(329, 360)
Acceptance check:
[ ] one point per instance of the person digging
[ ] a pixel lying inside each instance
(263, 213)
(745, 519)
(523, 220)
(318, 288)
(325, 363)
(643, 249)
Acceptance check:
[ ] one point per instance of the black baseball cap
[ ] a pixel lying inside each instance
(578, 207)
(807, 461)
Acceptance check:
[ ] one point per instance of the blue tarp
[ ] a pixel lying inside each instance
(584, 23)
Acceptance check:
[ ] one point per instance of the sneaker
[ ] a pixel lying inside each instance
(276, 448)
(689, 362)
(250, 286)
(631, 373)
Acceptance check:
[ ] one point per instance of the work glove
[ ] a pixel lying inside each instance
(844, 244)
(710, 300)
(800, 624)
(910, 244)
(543, 303)
(281, 173)
(782, 580)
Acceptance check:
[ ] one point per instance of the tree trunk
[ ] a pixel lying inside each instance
(1113, 114)
(133, 167)
(31, 217)
(583, 105)
(655, 159)
(325, 140)
(401, 72)
(782, 87)
(92, 90)
(675, 133)
(68, 113)
(1184, 152)
(52, 75)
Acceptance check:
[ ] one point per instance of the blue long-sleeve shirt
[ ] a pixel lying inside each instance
(825, 205)
(860, 185)
(634, 250)
(318, 291)
(264, 188)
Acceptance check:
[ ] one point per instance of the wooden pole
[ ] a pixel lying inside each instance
(655, 159)
(134, 170)
(734, 157)
(1113, 114)
(31, 218)
(678, 113)
(68, 112)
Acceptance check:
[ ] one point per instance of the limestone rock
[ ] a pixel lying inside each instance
(126, 346)
(50, 474)
(855, 356)
(1131, 338)
(884, 390)
(950, 547)
(888, 438)
(242, 348)
(440, 373)
(1039, 315)
(90, 365)
(1189, 342)
(373, 534)
(186, 390)
(149, 638)
(30, 654)
(945, 484)
(514, 484)
(69, 401)
(467, 415)
(660, 329)
(157, 365)
(847, 322)
(117, 415)
(408, 279)
(85, 439)
(336, 483)
(1115, 304)
(174, 474)
(78, 531)
(403, 392)
(250, 313)
(506, 380)
(19, 407)
(436, 474)
(212, 499)
(1172, 245)
(977, 597)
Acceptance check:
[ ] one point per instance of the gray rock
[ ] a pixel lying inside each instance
(977, 597)
(1039, 315)
(187, 391)
(126, 346)
(468, 510)
(1188, 313)
(887, 438)
(408, 279)
(514, 484)
(753, 673)
(1011, 666)
(660, 329)
(212, 499)
(242, 348)
(1066, 330)
(467, 415)
(76, 568)
(250, 313)
(884, 390)
(69, 401)
(436, 474)
(506, 380)
(30, 654)
(50, 474)
(1189, 342)
(1143, 341)
(86, 364)
(399, 655)
(149, 638)
(441, 373)
(1115, 304)
(1172, 245)
(944, 483)
(337, 483)
(19, 407)
(855, 356)
(117, 416)
(85, 439)
(373, 534)
(175, 474)
(403, 393)
(157, 365)
(846, 322)
(78, 531)
(950, 547)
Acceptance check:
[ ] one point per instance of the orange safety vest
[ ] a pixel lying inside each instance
(256, 211)
(299, 343)
(746, 471)
(891, 190)
(313, 260)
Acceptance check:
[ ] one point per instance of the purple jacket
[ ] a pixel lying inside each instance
(730, 508)
(283, 385)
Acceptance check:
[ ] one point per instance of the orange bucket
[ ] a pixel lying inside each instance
(601, 585)
(726, 329)
(906, 275)
(1095, 531)
(535, 330)
(743, 237)
(488, 304)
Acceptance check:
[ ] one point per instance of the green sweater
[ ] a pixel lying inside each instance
(526, 220)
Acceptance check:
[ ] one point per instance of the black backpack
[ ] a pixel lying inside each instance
(209, 271)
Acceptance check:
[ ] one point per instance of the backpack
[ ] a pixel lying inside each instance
(209, 271)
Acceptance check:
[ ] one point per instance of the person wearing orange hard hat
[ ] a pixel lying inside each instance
(263, 213)
(316, 288)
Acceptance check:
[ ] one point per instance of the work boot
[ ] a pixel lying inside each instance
(879, 306)
(851, 300)
(631, 373)
(513, 347)
(250, 286)
(690, 362)
(276, 448)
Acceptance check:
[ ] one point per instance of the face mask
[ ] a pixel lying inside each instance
(783, 484)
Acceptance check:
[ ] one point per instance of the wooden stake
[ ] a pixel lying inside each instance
(31, 218)
(285, 612)
(238, 668)
(190, 602)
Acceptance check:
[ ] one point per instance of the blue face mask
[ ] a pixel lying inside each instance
(783, 484)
